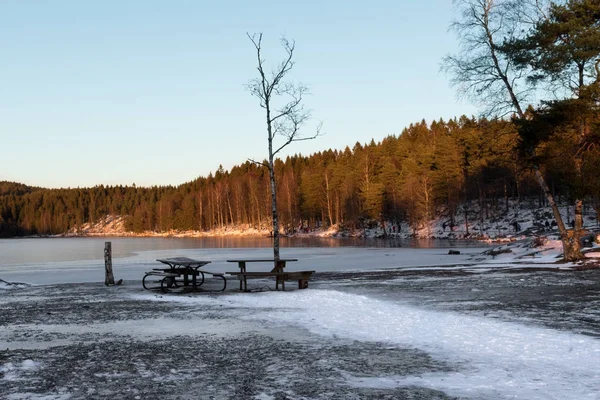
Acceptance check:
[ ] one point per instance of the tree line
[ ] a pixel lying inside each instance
(425, 172)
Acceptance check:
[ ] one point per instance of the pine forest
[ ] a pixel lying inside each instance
(426, 172)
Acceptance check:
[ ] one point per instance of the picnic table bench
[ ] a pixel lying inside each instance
(278, 272)
(180, 267)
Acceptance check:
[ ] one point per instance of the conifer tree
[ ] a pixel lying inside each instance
(563, 50)
(487, 69)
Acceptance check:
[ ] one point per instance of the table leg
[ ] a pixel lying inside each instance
(242, 266)
(186, 280)
(201, 278)
(279, 267)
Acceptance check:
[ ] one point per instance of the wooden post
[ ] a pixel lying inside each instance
(109, 277)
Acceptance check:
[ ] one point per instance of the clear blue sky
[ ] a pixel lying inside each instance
(152, 92)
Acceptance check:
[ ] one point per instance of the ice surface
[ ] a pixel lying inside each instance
(318, 259)
(490, 357)
(498, 359)
(12, 372)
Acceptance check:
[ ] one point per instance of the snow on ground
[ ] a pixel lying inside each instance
(396, 322)
(126, 341)
(501, 360)
(512, 221)
(507, 219)
(4, 285)
(12, 372)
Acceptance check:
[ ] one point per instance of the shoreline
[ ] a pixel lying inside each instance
(367, 234)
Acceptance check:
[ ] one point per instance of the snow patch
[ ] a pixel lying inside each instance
(12, 372)
(498, 358)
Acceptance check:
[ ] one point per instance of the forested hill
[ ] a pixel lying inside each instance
(16, 189)
(426, 172)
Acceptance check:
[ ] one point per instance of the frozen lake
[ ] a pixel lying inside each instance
(67, 260)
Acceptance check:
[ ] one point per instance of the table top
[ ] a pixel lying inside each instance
(185, 261)
(262, 260)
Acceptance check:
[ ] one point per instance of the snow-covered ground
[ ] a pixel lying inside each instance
(375, 323)
(507, 220)
(493, 359)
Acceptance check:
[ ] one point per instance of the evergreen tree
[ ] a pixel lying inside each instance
(563, 49)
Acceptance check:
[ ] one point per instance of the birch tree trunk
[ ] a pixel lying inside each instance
(284, 120)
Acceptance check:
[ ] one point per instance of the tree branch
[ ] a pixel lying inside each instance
(293, 139)
(263, 164)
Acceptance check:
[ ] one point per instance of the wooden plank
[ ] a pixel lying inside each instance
(262, 260)
(165, 274)
(284, 275)
(298, 275)
(185, 261)
(213, 273)
(184, 271)
(249, 274)
(293, 273)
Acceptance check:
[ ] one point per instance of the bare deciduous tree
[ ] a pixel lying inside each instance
(285, 114)
(484, 73)
(480, 70)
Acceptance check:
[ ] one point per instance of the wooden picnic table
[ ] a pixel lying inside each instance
(181, 267)
(278, 272)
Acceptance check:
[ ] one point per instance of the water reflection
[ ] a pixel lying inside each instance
(372, 242)
(42, 250)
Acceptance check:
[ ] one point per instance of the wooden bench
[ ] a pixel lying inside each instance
(179, 271)
(168, 280)
(184, 268)
(301, 276)
(164, 274)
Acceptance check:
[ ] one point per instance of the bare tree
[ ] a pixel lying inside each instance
(480, 70)
(285, 114)
(483, 72)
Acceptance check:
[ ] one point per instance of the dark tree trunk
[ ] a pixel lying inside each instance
(109, 277)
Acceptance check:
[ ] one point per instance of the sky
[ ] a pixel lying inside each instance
(153, 92)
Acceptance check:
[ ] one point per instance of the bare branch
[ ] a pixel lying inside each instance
(260, 85)
(296, 93)
(290, 140)
(480, 71)
(263, 164)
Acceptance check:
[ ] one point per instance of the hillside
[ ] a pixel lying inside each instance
(15, 188)
(459, 179)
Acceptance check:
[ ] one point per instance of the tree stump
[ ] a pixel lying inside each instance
(109, 277)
